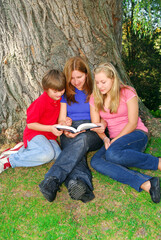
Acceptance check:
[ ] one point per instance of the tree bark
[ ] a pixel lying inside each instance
(37, 35)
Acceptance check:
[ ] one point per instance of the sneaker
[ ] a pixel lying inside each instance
(4, 164)
(155, 189)
(13, 150)
(49, 187)
(78, 190)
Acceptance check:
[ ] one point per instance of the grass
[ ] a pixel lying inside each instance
(117, 212)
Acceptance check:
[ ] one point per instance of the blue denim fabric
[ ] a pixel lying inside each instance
(71, 163)
(39, 150)
(123, 153)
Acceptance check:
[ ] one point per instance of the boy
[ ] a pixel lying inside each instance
(40, 135)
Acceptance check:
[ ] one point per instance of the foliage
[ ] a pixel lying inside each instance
(144, 15)
(142, 52)
(117, 212)
(156, 113)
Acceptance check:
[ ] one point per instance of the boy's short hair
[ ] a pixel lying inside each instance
(53, 79)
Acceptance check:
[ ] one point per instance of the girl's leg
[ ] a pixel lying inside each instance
(39, 151)
(118, 172)
(128, 151)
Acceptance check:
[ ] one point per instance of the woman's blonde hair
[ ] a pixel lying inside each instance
(109, 70)
(79, 64)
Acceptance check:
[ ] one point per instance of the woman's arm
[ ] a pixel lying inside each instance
(62, 114)
(63, 119)
(133, 109)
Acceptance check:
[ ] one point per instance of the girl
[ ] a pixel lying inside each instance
(117, 104)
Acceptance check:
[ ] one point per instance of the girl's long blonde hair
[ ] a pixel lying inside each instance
(79, 64)
(109, 70)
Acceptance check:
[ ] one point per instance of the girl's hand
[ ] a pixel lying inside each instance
(101, 129)
(107, 142)
(55, 131)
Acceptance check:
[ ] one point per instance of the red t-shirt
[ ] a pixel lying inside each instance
(43, 110)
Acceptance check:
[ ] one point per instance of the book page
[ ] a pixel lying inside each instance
(66, 128)
(85, 126)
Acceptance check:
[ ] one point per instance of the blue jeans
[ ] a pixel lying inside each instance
(39, 150)
(125, 152)
(72, 162)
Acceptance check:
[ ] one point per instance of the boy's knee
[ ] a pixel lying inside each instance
(48, 155)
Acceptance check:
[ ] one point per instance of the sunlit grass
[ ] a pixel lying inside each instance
(117, 212)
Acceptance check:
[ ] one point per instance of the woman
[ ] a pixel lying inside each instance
(71, 165)
(117, 104)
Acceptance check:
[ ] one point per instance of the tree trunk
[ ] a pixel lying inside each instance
(39, 35)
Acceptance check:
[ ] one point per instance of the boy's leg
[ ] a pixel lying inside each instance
(56, 148)
(39, 151)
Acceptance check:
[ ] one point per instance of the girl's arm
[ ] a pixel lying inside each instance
(95, 118)
(133, 110)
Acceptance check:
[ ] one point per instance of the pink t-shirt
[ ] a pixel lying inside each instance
(117, 121)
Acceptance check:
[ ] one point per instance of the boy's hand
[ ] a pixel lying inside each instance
(55, 131)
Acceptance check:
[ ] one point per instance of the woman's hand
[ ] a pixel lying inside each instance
(68, 121)
(72, 135)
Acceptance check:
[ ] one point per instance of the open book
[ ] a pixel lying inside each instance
(81, 127)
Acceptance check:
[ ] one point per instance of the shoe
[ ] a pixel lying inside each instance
(155, 189)
(13, 150)
(49, 187)
(78, 190)
(4, 164)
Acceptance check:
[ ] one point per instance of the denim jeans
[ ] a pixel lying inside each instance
(72, 162)
(125, 152)
(39, 150)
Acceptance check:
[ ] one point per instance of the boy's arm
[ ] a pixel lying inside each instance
(44, 128)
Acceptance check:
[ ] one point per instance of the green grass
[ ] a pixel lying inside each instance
(117, 212)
